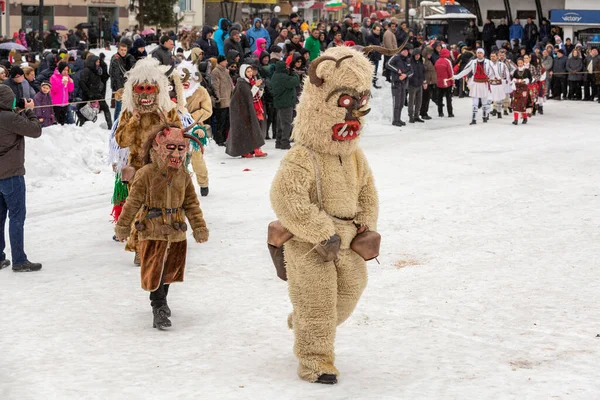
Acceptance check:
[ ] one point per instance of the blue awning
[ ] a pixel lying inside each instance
(575, 17)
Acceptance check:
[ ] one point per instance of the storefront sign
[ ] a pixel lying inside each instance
(575, 17)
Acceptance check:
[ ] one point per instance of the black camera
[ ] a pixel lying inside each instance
(20, 104)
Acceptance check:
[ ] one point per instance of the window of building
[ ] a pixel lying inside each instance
(185, 5)
(30, 18)
(524, 14)
(496, 14)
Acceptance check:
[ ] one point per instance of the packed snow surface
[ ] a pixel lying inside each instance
(488, 286)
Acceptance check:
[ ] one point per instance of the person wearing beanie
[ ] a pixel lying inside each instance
(444, 72)
(138, 50)
(559, 76)
(223, 88)
(164, 52)
(14, 127)
(61, 86)
(19, 85)
(43, 104)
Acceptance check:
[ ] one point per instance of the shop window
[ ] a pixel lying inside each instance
(30, 17)
(496, 14)
(524, 14)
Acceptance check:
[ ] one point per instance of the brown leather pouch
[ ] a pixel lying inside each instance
(366, 245)
(277, 235)
(330, 248)
(127, 173)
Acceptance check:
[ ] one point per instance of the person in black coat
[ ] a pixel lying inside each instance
(355, 35)
(273, 29)
(233, 42)
(93, 89)
(488, 35)
(138, 50)
(374, 39)
(105, 74)
(207, 43)
(401, 68)
(415, 87)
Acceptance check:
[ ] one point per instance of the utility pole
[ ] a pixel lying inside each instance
(406, 12)
(41, 20)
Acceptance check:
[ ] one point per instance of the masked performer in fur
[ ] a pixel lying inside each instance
(146, 103)
(199, 105)
(165, 193)
(324, 193)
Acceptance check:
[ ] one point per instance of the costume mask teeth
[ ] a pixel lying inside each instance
(348, 130)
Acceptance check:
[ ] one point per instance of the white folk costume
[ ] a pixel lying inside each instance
(508, 87)
(498, 80)
(479, 84)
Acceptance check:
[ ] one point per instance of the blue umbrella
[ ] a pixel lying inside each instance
(12, 45)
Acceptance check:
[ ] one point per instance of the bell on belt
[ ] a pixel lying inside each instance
(176, 225)
(183, 226)
(139, 226)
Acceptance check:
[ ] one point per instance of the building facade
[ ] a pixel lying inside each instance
(25, 14)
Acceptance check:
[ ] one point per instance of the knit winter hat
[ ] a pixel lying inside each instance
(16, 71)
(46, 83)
(293, 15)
(220, 59)
(139, 43)
(61, 66)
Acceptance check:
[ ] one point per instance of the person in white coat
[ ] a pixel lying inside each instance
(498, 80)
(479, 83)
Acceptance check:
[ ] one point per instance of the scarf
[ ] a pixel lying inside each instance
(480, 72)
(258, 104)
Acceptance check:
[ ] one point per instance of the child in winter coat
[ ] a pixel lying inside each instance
(43, 100)
(61, 86)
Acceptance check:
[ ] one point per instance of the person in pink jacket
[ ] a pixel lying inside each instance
(261, 45)
(62, 85)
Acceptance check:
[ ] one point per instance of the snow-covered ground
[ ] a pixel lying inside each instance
(488, 288)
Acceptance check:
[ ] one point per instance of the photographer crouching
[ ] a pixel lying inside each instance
(16, 122)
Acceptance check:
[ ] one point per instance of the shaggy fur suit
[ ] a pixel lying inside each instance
(324, 294)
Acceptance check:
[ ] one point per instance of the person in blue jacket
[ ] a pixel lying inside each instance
(516, 31)
(257, 31)
(114, 31)
(221, 34)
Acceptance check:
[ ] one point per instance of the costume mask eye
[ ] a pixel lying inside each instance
(149, 89)
(345, 101)
(171, 146)
(364, 101)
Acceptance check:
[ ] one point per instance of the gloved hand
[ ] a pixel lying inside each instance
(122, 232)
(201, 235)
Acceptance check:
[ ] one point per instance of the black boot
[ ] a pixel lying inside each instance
(450, 115)
(27, 266)
(534, 110)
(499, 115)
(426, 117)
(541, 109)
(4, 264)
(204, 191)
(473, 122)
(161, 320)
(402, 123)
(515, 122)
(327, 379)
(524, 121)
(411, 120)
(417, 119)
(485, 119)
(505, 112)
(396, 124)
(494, 112)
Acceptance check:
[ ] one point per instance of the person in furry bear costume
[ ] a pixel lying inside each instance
(165, 193)
(326, 158)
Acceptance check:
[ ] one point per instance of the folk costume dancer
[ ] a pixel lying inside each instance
(508, 89)
(498, 80)
(479, 85)
(521, 98)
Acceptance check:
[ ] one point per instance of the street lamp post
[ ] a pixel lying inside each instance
(412, 12)
(176, 11)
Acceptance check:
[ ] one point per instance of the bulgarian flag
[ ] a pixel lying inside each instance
(333, 5)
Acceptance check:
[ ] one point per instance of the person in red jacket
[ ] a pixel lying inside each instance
(443, 68)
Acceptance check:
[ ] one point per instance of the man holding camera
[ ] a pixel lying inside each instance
(20, 86)
(13, 129)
